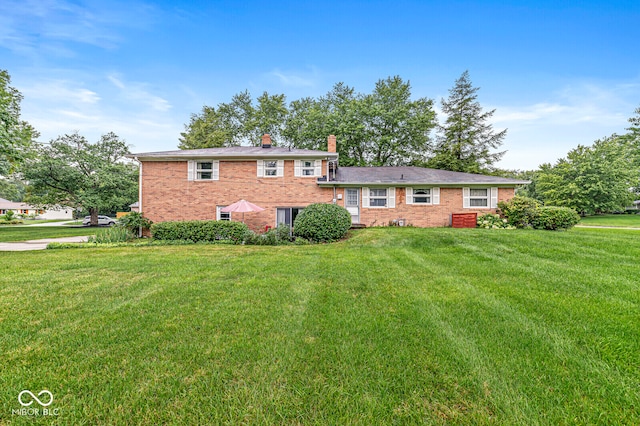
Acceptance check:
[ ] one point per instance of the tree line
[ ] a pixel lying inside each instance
(383, 128)
(601, 178)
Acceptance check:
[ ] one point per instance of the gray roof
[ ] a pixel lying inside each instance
(412, 176)
(234, 152)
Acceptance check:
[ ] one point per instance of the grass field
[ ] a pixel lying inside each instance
(617, 220)
(394, 326)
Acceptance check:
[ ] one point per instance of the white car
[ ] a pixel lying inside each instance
(102, 221)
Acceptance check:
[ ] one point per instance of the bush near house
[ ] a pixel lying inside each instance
(200, 231)
(525, 212)
(322, 223)
(519, 211)
(555, 218)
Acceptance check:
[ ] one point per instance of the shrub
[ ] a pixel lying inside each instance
(322, 223)
(114, 234)
(200, 230)
(273, 237)
(493, 221)
(519, 211)
(134, 221)
(555, 218)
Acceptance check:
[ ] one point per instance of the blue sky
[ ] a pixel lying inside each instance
(559, 73)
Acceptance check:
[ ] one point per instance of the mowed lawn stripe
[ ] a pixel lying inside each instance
(399, 326)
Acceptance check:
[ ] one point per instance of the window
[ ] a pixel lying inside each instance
(270, 168)
(379, 197)
(424, 196)
(480, 197)
(308, 168)
(287, 215)
(220, 215)
(421, 195)
(204, 170)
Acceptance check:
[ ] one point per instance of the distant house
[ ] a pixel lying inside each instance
(27, 210)
(197, 184)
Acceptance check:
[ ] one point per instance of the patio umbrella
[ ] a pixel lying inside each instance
(242, 206)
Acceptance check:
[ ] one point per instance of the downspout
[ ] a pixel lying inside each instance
(335, 197)
(139, 193)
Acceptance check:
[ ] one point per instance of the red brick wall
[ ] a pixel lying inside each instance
(420, 215)
(168, 195)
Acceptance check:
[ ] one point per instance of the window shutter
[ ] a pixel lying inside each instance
(365, 197)
(280, 169)
(297, 168)
(318, 169)
(260, 168)
(494, 197)
(216, 170)
(465, 197)
(391, 199)
(409, 195)
(191, 170)
(435, 195)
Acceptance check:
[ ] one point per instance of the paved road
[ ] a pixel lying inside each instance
(39, 244)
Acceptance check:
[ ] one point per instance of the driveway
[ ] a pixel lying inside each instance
(39, 244)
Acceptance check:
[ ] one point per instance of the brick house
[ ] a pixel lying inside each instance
(197, 184)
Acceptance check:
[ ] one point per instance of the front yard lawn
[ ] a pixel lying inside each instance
(393, 326)
(25, 233)
(617, 220)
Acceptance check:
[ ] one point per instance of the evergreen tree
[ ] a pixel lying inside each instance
(465, 141)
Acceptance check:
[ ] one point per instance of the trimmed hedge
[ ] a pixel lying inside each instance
(554, 218)
(322, 223)
(200, 230)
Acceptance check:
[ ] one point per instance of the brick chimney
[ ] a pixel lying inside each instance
(266, 141)
(331, 143)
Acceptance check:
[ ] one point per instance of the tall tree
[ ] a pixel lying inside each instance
(238, 122)
(466, 140)
(383, 128)
(16, 135)
(72, 172)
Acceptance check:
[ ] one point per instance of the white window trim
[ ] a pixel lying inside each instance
(193, 170)
(262, 168)
(298, 169)
(492, 198)
(434, 196)
(219, 213)
(391, 198)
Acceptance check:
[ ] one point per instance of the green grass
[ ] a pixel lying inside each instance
(617, 220)
(26, 233)
(394, 326)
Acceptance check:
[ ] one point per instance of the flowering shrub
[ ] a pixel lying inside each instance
(493, 221)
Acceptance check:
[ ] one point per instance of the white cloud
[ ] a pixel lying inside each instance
(295, 78)
(137, 92)
(545, 131)
(30, 27)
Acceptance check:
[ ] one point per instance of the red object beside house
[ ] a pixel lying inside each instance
(464, 220)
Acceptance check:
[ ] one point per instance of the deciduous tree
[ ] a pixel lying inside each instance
(72, 172)
(16, 135)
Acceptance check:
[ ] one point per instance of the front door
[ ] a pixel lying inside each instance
(352, 203)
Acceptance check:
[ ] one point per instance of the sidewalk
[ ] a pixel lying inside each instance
(39, 244)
